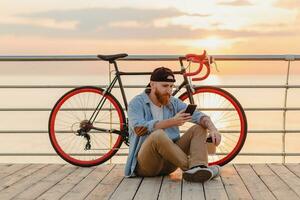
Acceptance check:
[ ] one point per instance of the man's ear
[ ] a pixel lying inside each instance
(152, 84)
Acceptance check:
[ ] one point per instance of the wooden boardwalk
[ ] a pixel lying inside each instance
(239, 181)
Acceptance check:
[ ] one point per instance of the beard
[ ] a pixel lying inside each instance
(162, 98)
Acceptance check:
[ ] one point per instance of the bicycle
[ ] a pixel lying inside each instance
(87, 125)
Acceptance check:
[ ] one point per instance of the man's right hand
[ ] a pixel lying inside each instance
(181, 117)
(140, 130)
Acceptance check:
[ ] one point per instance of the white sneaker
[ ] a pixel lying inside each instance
(197, 174)
(216, 169)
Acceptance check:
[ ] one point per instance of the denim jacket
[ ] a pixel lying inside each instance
(139, 114)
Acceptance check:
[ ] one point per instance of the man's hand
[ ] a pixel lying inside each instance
(180, 118)
(215, 136)
(206, 123)
(140, 130)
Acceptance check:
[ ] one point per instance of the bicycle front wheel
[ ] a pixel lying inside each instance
(72, 112)
(229, 118)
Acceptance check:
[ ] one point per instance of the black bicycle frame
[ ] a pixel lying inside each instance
(117, 78)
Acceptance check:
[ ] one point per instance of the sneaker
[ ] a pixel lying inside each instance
(197, 174)
(216, 169)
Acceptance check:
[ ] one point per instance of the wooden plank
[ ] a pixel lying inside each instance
(39, 188)
(274, 183)
(192, 190)
(170, 189)
(255, 185)
(233, 183)
(295, 168)
(3, 167)
(81, 190)
(62, 187)
(23, 184)
(6, 170)
(214, 189)
(127, 188)
(7, 181)
(287, 176)
(149, 188)
(108, 185)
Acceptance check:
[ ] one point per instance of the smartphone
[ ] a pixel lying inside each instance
(190, 108)
(209, 140)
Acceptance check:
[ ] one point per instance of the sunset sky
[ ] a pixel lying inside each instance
(52, 27)
(150, 27)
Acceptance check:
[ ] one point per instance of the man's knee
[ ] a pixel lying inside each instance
(159, 136)
(198, 129)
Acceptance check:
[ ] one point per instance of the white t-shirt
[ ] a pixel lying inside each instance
(157, 112)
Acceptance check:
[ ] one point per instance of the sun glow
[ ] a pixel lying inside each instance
(210, 43)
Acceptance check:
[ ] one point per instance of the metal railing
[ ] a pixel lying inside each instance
(289, 58)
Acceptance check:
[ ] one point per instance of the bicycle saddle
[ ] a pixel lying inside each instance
(113, 57)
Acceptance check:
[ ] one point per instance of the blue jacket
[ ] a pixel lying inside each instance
(139, 114)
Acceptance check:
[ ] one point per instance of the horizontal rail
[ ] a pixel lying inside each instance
(283, 57)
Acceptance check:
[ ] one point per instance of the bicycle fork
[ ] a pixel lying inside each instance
(187, 82)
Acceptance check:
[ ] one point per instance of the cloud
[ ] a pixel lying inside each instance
(125, 23)
(92, 18)
(48, 23)
(235, 3)
(288, 4)
(139, 33)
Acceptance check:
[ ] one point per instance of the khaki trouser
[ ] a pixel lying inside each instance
(159, 155)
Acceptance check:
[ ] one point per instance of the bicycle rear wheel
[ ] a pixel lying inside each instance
(228, 116)
(72, 112)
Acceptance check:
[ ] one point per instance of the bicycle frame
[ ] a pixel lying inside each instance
(185, 83)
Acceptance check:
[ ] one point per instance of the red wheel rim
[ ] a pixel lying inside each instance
(52, 131)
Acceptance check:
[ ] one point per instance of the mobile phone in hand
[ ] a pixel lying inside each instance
(190, 108)
(209, 139)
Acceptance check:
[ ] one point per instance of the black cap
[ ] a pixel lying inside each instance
(162, 74)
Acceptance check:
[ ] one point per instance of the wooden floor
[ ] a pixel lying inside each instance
(52, 181)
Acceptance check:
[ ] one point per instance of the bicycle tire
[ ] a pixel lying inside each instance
(62, 109)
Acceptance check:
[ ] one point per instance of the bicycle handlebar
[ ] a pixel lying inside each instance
(202, 59)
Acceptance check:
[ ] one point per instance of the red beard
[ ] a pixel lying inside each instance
(162, 98)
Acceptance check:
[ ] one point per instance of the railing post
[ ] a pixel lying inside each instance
(289, 59)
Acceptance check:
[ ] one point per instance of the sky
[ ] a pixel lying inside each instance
(82, 26)
(55, 27)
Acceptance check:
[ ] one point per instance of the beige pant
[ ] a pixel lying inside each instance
(159, 155)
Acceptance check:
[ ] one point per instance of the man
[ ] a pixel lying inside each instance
(156, 147)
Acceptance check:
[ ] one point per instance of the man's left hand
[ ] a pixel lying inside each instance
(215, 136)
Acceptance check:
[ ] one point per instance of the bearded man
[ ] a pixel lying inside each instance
(156, 147)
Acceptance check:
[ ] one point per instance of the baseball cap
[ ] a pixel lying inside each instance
(162, 74)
